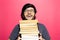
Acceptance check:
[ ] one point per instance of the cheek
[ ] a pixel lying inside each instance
(25, 14)
(33, 14)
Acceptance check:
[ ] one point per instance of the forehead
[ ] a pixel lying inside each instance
(30, 8)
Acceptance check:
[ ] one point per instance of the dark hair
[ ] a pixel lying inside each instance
(25, 7)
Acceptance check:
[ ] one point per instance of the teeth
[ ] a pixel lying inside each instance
(29, 15)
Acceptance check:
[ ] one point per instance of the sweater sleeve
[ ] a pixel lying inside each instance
(44, 32)
(14, 33)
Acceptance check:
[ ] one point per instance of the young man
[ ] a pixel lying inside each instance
(28, 13)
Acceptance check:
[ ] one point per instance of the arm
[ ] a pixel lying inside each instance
(14, 33)
(43, 31)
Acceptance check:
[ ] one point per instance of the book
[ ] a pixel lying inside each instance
(29, 29)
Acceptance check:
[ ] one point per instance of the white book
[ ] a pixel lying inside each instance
(29, 37)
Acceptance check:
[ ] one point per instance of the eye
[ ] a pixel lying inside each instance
(31, 10)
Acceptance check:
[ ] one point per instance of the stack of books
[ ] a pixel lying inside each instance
(29, 29)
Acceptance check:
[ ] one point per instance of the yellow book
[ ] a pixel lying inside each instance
(28, 27)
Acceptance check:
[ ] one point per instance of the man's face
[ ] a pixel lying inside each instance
(29, 13)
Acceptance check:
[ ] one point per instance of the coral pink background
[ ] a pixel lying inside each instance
(48, 13)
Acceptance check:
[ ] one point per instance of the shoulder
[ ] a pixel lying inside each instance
(17, 26)
(40, 25)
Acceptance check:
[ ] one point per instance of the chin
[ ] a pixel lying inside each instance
(29, 19)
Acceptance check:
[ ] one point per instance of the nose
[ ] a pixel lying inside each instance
(29, 12)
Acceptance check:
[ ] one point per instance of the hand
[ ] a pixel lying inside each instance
(18, 38)
(40, 37)
(8, 39)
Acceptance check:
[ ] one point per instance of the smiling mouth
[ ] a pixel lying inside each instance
(29, 15)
